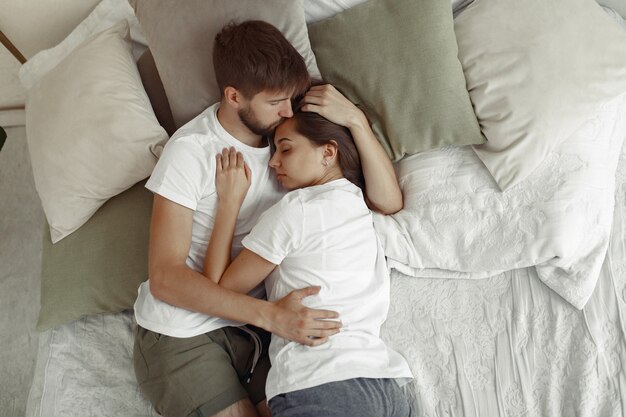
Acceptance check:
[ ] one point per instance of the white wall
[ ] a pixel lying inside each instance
(33, 25)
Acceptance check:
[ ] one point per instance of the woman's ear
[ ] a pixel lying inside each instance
(330, 150)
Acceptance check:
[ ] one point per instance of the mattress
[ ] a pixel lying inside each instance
(506, 345)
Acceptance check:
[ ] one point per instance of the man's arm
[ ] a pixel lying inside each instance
(249, 269)
(173, 282)
(382, 191)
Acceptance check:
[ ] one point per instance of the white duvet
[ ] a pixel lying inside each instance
(457, 223)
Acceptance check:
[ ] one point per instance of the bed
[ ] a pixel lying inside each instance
(508, 262)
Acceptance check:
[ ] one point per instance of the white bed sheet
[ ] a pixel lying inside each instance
(510, 346)
(85, 369)
(503, 346)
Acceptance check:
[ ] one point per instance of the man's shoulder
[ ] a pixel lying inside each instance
(195, 140)
(201, 130)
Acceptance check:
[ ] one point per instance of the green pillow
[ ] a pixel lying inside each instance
(397, 60)
(98, 268)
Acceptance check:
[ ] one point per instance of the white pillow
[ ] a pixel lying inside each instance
(90, 129)
(615, 16)
(618, 5)
(459, 5)
(536, 70)
(106, 13)
(457, 223)
(316, 10)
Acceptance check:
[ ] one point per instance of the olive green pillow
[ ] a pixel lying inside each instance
(397, 60)
(98, 268)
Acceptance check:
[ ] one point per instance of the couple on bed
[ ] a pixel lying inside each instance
(293, 216)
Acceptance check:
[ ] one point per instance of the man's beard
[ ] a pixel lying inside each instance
(248, 118)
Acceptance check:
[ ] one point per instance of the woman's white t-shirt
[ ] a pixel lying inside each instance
(323, 235)
(185, 174)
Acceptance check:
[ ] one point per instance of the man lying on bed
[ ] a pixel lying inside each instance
(192, 357)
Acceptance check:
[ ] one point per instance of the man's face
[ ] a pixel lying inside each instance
(265, 111)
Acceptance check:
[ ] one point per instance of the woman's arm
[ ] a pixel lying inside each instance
(246, 272)
(382, 191)
(232, 180)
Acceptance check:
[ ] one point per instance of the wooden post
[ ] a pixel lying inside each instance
(9, 45)
(3, 137)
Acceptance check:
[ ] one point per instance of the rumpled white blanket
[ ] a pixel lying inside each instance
(457, 223)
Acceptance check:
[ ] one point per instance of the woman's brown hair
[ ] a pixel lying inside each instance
(321, 131)
(254, 56)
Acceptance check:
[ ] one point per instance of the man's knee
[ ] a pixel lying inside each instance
(242, 408)
(263, 409)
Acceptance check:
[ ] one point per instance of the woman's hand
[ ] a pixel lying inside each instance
(232, 177)
(328, 102)
(382, 191)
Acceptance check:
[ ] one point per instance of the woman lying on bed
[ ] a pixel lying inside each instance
(320, 234)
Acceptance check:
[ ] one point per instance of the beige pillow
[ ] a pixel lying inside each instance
(536, 70)
(180, 36)
(91, 130)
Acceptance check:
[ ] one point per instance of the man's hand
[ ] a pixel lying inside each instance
(293, 321)
(232, 177)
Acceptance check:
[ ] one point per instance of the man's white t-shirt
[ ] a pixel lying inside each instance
(185, 174)
(324, 235)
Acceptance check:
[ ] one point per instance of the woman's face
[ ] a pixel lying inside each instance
(297, 162)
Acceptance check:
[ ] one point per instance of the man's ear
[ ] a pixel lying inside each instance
(232, 97)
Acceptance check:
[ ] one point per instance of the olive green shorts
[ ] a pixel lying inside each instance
(200, 375)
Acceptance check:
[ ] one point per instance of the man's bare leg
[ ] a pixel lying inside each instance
(263, 409)
(242, 408)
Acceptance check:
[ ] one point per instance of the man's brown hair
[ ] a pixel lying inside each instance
(254, 56)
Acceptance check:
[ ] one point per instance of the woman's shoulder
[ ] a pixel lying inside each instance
(292, 203)
(336, 193)
(340, 190)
